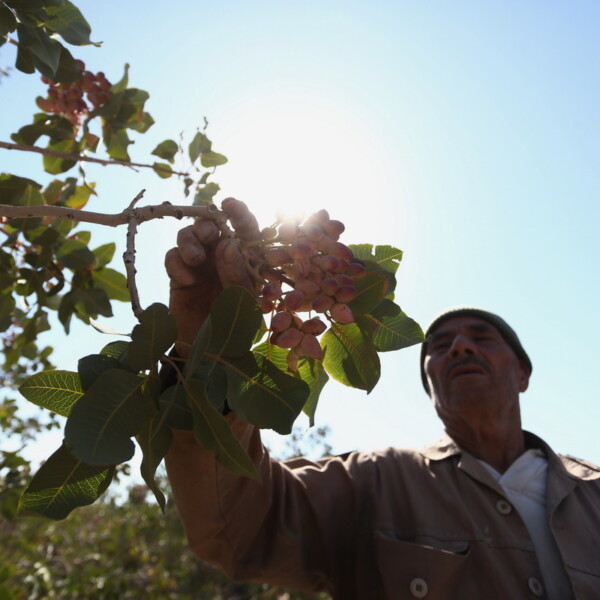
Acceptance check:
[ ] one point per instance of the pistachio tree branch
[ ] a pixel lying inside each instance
(129, 260)
(84, 158)
(144, 213)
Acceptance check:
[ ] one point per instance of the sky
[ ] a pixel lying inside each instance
(464, 133)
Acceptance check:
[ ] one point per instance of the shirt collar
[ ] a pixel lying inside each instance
(565, 464)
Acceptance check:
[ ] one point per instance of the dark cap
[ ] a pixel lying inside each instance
(505, 330)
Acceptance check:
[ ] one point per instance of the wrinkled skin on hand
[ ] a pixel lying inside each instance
(205, 261)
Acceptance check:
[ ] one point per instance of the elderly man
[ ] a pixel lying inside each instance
(490, 512)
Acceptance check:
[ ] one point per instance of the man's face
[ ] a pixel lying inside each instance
(469, 366)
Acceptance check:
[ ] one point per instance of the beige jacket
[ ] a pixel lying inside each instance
(391, 524)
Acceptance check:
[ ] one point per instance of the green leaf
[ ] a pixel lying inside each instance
(68, 71)
(235, 318)
(163, 170)
(166, 150)
(64, 483)
(115, 349)
(213, 432)
(112, 282)
(104, 254)
(57, 391)
(371, 290)
(154, 440)
(42, 47)
(24, 60)
(350, 356)
(198, 348)
(204, 194)
(393, 328)
(122, 84)
(116, 142)
(55, 127)
(313, 373)
(151, 338)
(7, 306)
(8, 22)
(199, 145)
(79, 197)
(262, 394)
(110, 412)
(92, 366)
(212, 159)
(75, 255)
(55, 164)
(387, 257)
(92, 302)
(174, 409)
(19, 191)
(67, 20)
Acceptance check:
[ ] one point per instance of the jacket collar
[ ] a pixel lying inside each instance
(562, 465)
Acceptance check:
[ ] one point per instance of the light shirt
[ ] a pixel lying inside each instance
(524, 484)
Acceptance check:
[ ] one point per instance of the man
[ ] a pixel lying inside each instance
(491, 512)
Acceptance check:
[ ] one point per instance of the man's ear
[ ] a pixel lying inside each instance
(524, 374)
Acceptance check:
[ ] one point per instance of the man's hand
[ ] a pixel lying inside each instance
(203, 263)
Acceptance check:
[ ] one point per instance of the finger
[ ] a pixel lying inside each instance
(230, 265)
(191, 249)
(242, 220)
(206, 231)
(180, 273)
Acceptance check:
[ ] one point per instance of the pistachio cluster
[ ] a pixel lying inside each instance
(306, 269)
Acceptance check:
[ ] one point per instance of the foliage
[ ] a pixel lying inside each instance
(125, 549)
(267, 372)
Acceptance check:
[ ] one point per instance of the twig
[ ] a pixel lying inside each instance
(130, 270)
(136, 200)
(84, 158)
(145, 213)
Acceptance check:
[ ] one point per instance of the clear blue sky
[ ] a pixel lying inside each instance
(465, 133)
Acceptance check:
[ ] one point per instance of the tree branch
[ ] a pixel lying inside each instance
(84, 158)
(144, 213)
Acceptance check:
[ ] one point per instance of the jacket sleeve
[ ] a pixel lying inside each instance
(296, 527)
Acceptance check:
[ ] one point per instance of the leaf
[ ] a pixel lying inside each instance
(104, 254)
(56, 164)
(67, 20)
(387, 257)
(198, 348)
(115, 349)
(393, 328)
(92, 366)
(313, 373)
(116, 142)
(212, 159)
(55, 127)
(166, 150)
(42, 47)
(64, 483)
(213, 432)
(79, 197)
(8, 22)
(163, 170)
(154, 441)
(371, 290)
(75, 255)
(110, 412)
(92, 302)
(122, 84)
(19, 191)
(174, 409)
(151, 338)
(199, 145)
(57, 391)
(204, 194)
(350, 356)
(262, 394)
(235, 318)
(112, 282)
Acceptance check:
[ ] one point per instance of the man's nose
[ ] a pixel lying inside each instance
(462, 345)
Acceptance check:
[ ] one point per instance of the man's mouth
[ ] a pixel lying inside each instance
(466, 369)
